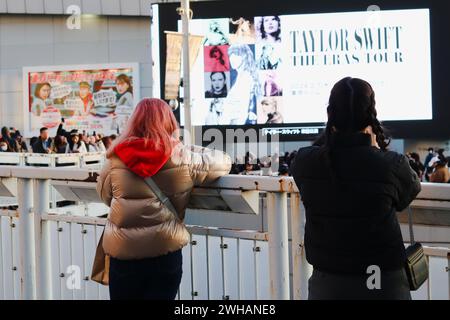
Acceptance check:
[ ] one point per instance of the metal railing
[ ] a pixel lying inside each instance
(82, 160)
(43, 251)
(35, 236)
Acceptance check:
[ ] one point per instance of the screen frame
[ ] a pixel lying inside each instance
(437, 128)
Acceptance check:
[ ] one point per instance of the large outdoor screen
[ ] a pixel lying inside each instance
(282, 69)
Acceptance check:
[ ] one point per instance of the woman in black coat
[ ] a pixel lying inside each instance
(352, 187)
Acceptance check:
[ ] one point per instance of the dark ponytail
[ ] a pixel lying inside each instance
(351, 108)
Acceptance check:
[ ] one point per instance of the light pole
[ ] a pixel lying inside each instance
(188, 135)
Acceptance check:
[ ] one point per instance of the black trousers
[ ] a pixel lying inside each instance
(151, 278)
(326, 286)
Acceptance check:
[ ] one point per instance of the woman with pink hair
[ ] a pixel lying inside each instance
(145, 232)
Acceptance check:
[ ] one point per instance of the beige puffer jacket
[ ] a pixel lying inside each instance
(138, 225)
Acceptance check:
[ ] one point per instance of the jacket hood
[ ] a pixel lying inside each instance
(142, 159)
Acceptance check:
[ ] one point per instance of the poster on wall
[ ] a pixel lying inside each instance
(92, 98)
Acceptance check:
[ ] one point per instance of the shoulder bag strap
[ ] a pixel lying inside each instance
(161, 196)
(410, 222)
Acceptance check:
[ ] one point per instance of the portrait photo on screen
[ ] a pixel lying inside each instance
(270, 111)
(242, 30)
(216, 58)
(268, 56)
(215, 114)
(245, 85)
(217, 32)
(268, 29)
(271, 84)
(217, 84)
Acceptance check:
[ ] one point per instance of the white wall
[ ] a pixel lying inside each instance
(34, 40)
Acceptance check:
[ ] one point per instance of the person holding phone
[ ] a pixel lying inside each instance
(352, 187)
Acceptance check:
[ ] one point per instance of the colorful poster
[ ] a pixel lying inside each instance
(97, 98)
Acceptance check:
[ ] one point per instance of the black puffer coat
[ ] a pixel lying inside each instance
(351, 205)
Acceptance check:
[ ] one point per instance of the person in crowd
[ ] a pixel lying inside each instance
(62, 132)
(284, 171)
(124, 91)
(85, 139)
(428, 168)
(6, 137)
(20, 142)
(438, 157)
(270, 29)
(248, 169)
(235, 168)
(352, 187)
(3, 146)
(113, 137)
(92, 145)
(249, 157)
(99, 143)
(86, 96)
(33, 141)
(240, 105)
(75, 144)
(218, 85)
(107, 141)
(41, 95)
(285, 158)
(43, 143)
(60, 144)
(441, 173)
(270, 110)
(429, 156)
(144, 236)
(416, 165)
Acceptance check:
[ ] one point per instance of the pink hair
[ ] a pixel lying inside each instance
(153, 121)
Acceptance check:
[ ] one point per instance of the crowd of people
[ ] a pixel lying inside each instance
(434, 169)
(265, 166)
(73, 141)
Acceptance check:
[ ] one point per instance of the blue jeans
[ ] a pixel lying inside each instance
(150, 278)
(326, 286)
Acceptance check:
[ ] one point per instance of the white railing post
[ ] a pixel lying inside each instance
(301, 269)
(41, 191)
(278, 245)
(26, 236)
(448, 272)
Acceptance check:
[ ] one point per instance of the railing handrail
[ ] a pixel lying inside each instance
(34, 183)
(52, 155)
(89, 220)
(430, 191)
